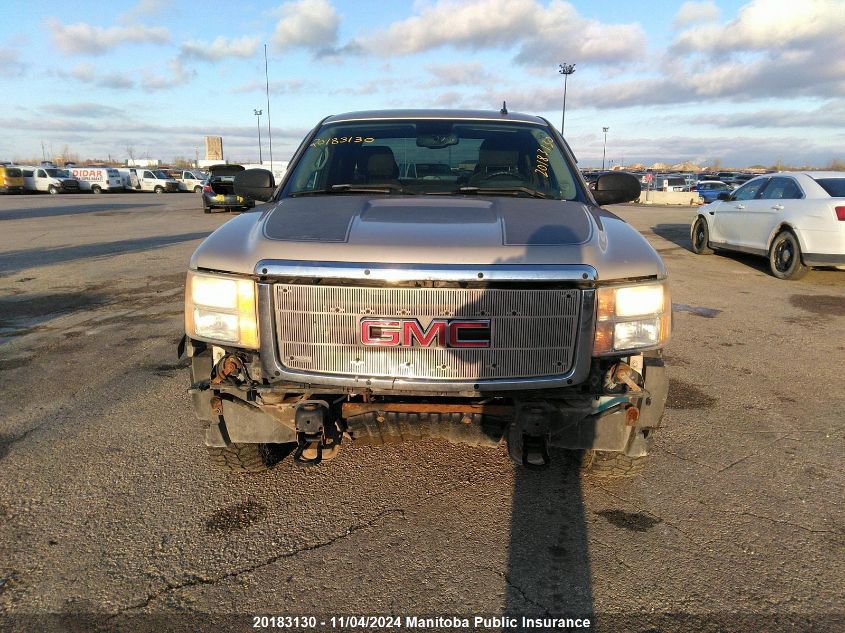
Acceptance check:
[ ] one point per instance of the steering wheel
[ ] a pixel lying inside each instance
(499, 175)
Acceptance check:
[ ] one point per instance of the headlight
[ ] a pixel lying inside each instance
(221, 309)
(632, 318)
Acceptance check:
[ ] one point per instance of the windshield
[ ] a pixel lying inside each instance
(57, 173)
(434, 157)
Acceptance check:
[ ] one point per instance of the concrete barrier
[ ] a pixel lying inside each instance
(669, 197)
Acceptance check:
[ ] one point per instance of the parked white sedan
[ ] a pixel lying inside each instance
(796, 219)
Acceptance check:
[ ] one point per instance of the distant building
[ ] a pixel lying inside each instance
(214, 148)
(143, 162)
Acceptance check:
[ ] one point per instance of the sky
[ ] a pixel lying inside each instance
(714, 82)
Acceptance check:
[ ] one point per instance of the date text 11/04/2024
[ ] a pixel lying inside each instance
(418, 622)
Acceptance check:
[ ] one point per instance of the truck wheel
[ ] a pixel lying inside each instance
(245, 458)
(159, 189)
(197, 189)
(701, 237)
(96, 189)
(785, 257)
(605, 464)
(52, 190)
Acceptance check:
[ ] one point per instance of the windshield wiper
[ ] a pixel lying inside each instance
(505, 190)
(347, 188)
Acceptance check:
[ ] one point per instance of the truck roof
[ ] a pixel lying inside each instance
(475, 115)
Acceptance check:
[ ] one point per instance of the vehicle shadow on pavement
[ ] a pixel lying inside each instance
(677, 233)
(13, 261)
(680, 235)
(548, 570)
(49, 212)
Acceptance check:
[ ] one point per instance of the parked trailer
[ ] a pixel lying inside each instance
(98, 179)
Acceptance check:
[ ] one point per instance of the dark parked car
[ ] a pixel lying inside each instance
(218, 191)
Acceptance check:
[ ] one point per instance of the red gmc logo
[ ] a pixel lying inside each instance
(439, 333)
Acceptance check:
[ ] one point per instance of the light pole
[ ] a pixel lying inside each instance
(604, 151)
(565, 70)
(258, 114)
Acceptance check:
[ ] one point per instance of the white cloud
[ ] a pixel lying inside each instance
(84, 39)
(830, 115)
(457, 74)
(769, 25)
(142, 9)
(309, 24)
(563, 34)
(85, 110)
(279, 86)
(176, 76)
(692, 12)
(88, 73)
(11, 65)
(544, 34)
(220, 48)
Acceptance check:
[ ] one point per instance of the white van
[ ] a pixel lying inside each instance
(50, 179)
(154, 180)
(189, 179)
(97, 179)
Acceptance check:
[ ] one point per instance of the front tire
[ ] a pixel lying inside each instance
(159, 189)
(197, 189)
(610, 465)
(96, 189)
(701, 237)
(244, 458)
(52, 190)
(785, 257)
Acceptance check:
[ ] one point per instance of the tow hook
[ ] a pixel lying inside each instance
(528, 436)
(315, 433)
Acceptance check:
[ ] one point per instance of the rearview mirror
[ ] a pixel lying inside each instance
(616, 187)
(255, 184)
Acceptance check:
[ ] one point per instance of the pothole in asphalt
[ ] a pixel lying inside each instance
(235, 517)
(633, 521)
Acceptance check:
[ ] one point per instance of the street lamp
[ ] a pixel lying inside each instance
(565, 70)
(258, 114)
(604, 151)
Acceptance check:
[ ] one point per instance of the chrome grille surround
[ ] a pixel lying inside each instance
(534, 331)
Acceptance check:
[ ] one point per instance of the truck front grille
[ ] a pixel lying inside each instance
(532, 332)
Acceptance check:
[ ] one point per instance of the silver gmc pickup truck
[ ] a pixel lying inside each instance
(428, 273)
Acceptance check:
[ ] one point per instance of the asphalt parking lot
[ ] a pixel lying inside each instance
(111, 517)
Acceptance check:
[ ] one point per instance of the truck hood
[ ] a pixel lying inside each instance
(430, 230)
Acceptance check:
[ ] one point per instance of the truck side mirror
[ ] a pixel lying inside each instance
(255, 184)
(616, 187)
(724, 196)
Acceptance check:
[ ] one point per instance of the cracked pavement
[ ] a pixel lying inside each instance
(109, 511)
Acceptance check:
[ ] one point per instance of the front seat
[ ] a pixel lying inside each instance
(496, 161)
(379, 165)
